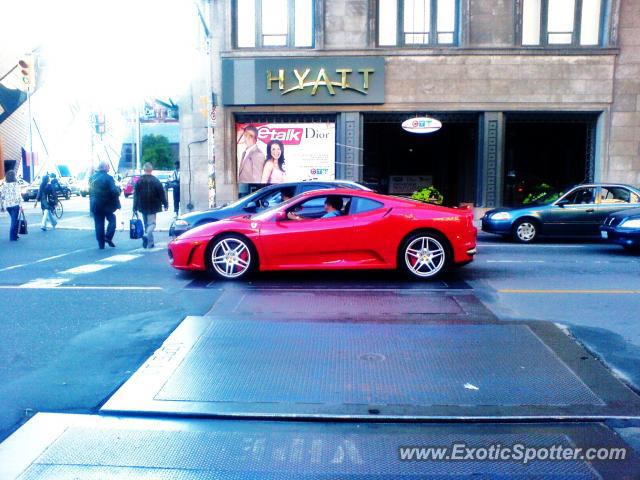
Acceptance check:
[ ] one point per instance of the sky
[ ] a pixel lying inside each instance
(106, 51)
(99, 56)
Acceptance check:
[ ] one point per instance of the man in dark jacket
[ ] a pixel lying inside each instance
(104, 200)
(149, 199)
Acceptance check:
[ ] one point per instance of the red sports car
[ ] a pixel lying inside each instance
(331, 230)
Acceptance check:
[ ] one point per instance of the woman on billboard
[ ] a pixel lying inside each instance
(273, 171)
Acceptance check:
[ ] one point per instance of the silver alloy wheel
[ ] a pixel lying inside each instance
(526, 231)
(231, 257)
(425, 256)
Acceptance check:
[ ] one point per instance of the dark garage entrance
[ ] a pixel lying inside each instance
(556, 149)
(448, 156)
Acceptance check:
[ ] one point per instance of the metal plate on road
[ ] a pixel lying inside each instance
(55, 446)
(350, 304)
(350, 370)
(347, 280)
(337, 302)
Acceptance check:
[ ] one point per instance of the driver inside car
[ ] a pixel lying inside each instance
(332, 208)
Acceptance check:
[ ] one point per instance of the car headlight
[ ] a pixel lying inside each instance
(501, 216)
(631, 223)
(181, 223)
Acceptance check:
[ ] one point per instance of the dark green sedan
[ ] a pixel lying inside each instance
(577, 213)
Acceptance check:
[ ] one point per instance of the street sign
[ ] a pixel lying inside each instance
(422, 125)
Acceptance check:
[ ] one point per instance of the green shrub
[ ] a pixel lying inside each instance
(428, 195)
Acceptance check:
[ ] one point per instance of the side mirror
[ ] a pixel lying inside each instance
(251, 206)
(280, 216)
(562, 202)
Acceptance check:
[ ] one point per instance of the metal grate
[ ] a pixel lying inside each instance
(390, 364)
(248, 450)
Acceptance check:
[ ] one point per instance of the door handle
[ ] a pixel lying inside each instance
(590, 210)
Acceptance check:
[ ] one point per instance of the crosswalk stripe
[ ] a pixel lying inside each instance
(88, 268)
(44, 283)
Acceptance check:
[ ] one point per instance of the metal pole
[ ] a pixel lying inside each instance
(31, 159)
(138, 146)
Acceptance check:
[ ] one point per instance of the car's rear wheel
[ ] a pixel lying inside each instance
(231, 257)
(424, 255)
(525, 231)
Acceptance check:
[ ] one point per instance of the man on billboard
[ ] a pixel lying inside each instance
(252, 162)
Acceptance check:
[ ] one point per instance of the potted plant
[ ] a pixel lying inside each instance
(428, 194)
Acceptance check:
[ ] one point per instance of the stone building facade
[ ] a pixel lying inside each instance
(561, 108)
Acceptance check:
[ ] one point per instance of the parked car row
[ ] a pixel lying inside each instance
(607, 210)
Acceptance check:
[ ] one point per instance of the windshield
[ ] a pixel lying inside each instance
(265, 213)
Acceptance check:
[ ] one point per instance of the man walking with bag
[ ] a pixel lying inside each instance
(149, 199)
(104, 198)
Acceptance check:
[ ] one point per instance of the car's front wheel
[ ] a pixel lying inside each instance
(424, 255)
(525, 231)
(231, 257)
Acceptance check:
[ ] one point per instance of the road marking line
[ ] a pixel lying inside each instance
(88, 268)
(607, 292)
(158, 247)
(516, 245)
(44, 283)
(515, 261)
(73, 287)
(120, 258)
(108, 262)
(13, 267)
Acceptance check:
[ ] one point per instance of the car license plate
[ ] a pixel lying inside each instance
(604, 234)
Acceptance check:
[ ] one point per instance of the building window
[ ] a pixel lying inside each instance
(417, 22)
(562, 22)
(274, 23)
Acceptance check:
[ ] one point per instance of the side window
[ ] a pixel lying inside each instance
(308, 187)
(582, 196)
(315, 207)
(562, 22)
(417, 22)
(361, 205)
(270, 199)
(274, 23)
(614, 195)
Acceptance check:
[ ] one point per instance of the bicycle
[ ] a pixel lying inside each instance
(58, 210)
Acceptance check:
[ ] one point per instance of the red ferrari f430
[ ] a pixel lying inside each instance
(334, 229)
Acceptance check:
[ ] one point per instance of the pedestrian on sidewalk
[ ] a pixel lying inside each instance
(175, 183)
(149, 199)
(11, 201)
(104, 200)
(47, 196)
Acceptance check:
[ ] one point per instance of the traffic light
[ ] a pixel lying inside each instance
(99, 122)
(28, 71)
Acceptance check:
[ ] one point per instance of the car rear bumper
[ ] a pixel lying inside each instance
(621, 236)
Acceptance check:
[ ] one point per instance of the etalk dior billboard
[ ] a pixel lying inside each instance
(297, 152)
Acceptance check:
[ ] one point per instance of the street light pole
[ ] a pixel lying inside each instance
(29, 114)
(138, 147)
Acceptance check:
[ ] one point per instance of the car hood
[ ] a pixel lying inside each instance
(208, 230)
(629, 212)
(195, 217)
(521, 209)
